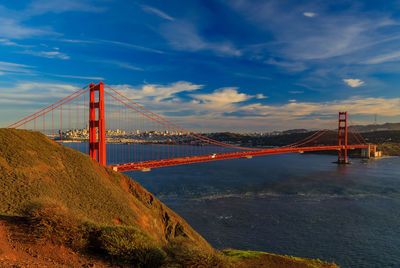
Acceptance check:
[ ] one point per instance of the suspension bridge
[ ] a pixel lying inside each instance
(98, 120)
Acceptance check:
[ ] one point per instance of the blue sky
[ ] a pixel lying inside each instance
(236, 65)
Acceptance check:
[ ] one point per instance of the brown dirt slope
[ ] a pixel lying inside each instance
(18, 248)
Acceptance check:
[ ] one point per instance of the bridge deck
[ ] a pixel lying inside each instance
(145, 165)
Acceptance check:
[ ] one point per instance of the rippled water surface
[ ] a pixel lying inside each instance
(295, 204)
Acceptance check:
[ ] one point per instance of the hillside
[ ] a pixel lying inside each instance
(53, 197)
(376, 127)
(35, 169)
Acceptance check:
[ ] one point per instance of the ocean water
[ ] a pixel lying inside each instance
(293, 204)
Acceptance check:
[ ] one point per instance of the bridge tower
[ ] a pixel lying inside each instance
(97, 129)
(342, 137)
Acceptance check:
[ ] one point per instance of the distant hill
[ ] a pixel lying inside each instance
(52, 196)
(373, 127)
(294, 131)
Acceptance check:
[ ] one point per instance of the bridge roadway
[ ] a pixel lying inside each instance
(147, 165)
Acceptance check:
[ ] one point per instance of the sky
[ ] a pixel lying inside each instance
(209, 65)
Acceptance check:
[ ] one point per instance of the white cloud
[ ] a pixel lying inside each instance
(158, 12)
(354, 82)
(35, 93)
(261, 96)
(226, 95)
(296, 92)
(261, 117)
(355, 106)
(222, 109)
(309, 14)
(155, 92)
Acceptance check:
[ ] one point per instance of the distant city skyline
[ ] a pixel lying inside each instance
(242, 66)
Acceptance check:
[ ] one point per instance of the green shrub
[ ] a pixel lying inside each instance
(129, 245)
(185, 253)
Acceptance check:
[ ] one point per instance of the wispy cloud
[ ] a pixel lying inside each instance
(48, 54)
(14, 29)
(7, 42)
(354, 82)
(183, 35)
(76, 77)
(36, 87)
(78, 41)
(290, 66)
(111, 42)
(393, 56)
(261, 77)
(15, 67)
(25, 98)
(132, 46)
(296, 92)
(121, 64)
(38, 7)
(157, 12)
(326, 36)
(34, 92)
(13, 22)
(355, 106)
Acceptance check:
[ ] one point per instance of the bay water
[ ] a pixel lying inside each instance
(292, 204)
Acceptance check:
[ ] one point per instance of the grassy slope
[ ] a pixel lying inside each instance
(34, 169)
(263, 259)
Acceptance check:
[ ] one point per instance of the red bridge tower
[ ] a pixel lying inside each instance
(97, 129)
(342, 137)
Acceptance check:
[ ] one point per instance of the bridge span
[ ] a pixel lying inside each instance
(147, 165)
(109, 115)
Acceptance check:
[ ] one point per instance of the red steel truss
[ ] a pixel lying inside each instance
(146, 165)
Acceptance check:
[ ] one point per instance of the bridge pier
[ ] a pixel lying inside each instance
(366, 152)
(370, 152)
